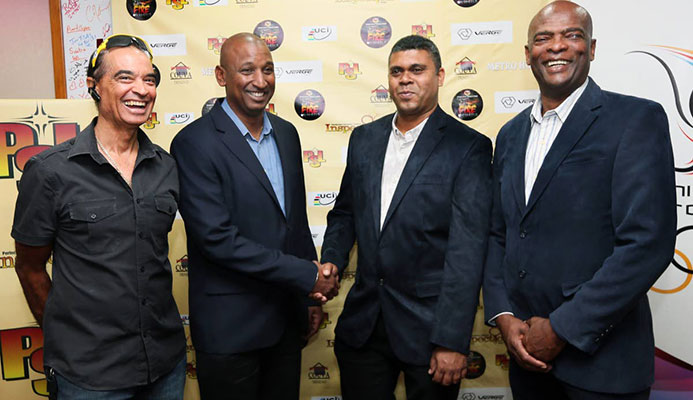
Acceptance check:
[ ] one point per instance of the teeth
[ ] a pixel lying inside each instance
(256, 94)
(134, 103)
(557, 62)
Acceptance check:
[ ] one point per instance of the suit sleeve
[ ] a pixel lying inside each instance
(496, 299)
(464, 257)
(209, 224)
(643, 202)
(340, 233)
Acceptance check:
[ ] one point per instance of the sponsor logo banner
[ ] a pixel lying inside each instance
(179, 118)
(319, 33)
(167, 45)
(298, 71)
(488, 393)
(210, 3)
(481, 32)
(514, 102)
(321, 199)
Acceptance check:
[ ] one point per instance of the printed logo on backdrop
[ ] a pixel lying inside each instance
(207, 106)
(675, 280)
(207, 71)
(488, 393)
(319, 33)
(376, 32)
(314, 158)
(321, 199)
(476, 365)
(318, 234)
(210, 3)
(348, 127)
(185, 319)
(465, 67)
(246, 3)
(380, 95)
(514, 102)
(493, 336)
(501, 66)
(481, 32)
(326, 397)
(23, 134)
(350, 71)
(467, 104)
(21, 349)
(309, 104)
(423, 30)
(177, 4)
(167, 45)
(152, 121)
(503, 361)
(270, 109)
(180, 72)
(465, 3)
(329, 343)
(179, 118)
(271, 32)
(8, 259)
(191, 365)
(214, 44)
(318, 373)
(182, 265)
(141, 10)
(325, 321)
(298, 71)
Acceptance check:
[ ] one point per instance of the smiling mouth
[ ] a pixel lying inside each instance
(135, 103)
(556, 63)
(256, 94)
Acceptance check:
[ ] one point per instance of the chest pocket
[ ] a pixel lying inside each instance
(91, 224)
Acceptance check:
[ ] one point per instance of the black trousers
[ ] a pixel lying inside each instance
(264, 374)
(528, 385)
(371, 372)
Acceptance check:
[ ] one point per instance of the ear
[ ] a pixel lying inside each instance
(91, 83)
(441, 76)
(527, 54)
(220, 74)
(593, 47)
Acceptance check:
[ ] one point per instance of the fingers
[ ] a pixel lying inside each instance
(525, 360)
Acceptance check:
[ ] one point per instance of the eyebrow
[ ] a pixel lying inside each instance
(563, 32)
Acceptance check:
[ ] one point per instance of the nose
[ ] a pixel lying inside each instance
(140, 87)
(259, 79)
(405, 78)
(558, 44)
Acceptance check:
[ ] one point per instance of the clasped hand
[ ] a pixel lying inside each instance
(327, 285)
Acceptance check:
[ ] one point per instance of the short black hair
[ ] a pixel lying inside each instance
(416, 42)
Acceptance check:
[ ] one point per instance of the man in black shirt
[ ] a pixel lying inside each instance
(103, 204)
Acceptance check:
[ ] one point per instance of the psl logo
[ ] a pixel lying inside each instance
(214, 44)
(350, 71)
(423, 30)
(314, 157)
(21, 349)
(270, 108)
(152, 122)
(325, 321)
(177, 4)
(502, 360)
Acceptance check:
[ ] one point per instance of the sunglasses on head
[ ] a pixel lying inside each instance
(120, 40)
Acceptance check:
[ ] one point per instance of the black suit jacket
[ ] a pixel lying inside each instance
(597, 231)
(423, 270)
(248, 264)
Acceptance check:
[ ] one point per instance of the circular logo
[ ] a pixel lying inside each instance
(309, 104)
(476, 365)
(271, 33)
(465, 3)
(376, 32)
(141, 9)
(677, 279)
(207, 107)
(467, 104)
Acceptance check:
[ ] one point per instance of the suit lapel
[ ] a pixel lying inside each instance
(580, 119)
(380, 133)
(517, 163)
(232, 138)
(427, 141)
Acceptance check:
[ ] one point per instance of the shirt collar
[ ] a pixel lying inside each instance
(266, 125)
(85, 143)
(563, 110)
(411, 134)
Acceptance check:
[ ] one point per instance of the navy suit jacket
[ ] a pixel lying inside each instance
(598, 230)
(248, 265)
(423, 270)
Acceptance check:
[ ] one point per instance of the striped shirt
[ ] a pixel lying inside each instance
(545, 128)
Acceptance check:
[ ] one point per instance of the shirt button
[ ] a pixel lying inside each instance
(381, 282)
(140, 235)
(522, 274)
(92, 216)
(142, 268)
(138, 201)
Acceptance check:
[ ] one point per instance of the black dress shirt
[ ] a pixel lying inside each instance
(110, 320)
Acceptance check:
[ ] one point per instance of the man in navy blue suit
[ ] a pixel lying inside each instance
(242, 197)
(583, 223)
(416, 197)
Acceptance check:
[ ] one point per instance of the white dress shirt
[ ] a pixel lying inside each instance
(399, 147)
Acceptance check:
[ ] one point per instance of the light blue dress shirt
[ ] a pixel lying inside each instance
(265, 150)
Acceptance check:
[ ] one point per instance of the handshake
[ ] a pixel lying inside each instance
(327, 285)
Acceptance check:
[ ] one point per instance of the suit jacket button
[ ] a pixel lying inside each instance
(522, 274)
(523, 234)
(381, 282)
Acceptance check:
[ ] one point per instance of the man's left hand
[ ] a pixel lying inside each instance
(315, 316)
(541, 340)
(448, 367)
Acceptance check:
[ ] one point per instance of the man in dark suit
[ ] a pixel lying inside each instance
(416, 197)
(249, 245)
(583, 223)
